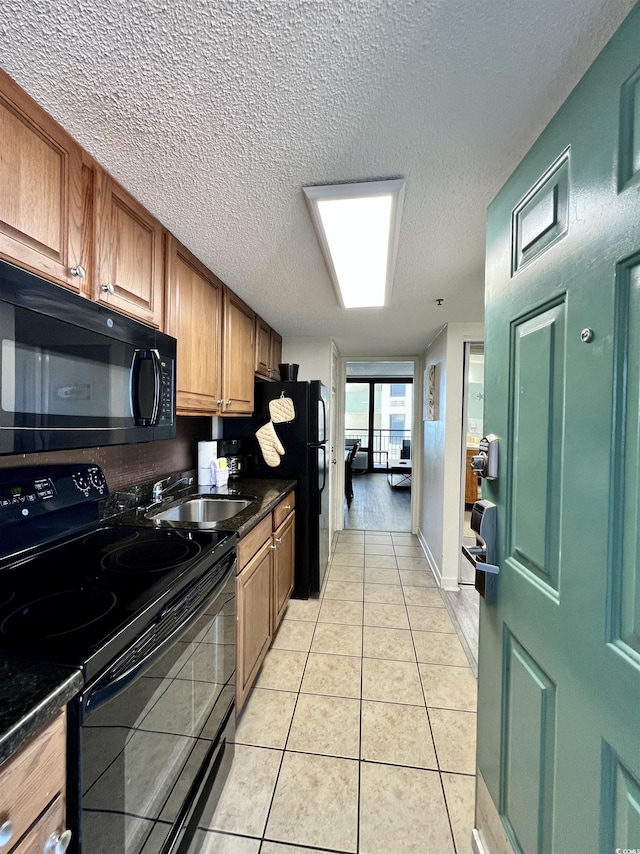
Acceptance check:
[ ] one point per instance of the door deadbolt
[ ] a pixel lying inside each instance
(587, 335)
(485, 463)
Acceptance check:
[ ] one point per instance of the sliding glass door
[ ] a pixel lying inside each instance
(379, 414)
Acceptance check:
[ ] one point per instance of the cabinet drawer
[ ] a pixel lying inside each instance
(31, 779)
(52, 821)
(250, 543)
(283, 509)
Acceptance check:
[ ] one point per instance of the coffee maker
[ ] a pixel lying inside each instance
(237, 462)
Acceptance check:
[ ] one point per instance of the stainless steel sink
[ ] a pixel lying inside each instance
(202, 510)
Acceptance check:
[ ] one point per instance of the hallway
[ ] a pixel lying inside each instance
(376, 506)
(359, 736)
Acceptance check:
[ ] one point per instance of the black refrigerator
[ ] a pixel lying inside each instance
(305, 458)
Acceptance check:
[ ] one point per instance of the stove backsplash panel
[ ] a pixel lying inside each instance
(125, 465)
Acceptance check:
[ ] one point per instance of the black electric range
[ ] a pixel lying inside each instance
(148, 616)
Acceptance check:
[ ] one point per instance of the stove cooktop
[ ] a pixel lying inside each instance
(82, 601)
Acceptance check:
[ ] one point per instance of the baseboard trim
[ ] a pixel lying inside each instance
(476, 843)
(433, 566)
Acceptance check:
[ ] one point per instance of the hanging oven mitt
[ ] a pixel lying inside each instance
(270, 445)
(281, 409)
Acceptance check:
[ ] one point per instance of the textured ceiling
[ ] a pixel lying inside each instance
(215, 113)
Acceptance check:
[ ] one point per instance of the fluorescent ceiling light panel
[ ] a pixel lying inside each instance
(358, 226)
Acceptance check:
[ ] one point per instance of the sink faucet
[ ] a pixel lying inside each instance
(159, 490)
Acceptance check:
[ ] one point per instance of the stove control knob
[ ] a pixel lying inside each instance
(97, 479)
(57, 843)
(80, 481)
(6, 832)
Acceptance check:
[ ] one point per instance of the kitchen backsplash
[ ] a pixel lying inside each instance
(124, 465)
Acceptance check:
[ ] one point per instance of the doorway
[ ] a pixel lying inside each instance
(378, 431)
(472, 427)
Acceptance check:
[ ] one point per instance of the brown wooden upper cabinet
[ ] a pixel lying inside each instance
(268, 350)
(194, 317)
(275, 358)
(238, 321)
(263, 348)
(41, 190)
(129, 253)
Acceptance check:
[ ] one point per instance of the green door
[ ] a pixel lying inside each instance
(559, 658)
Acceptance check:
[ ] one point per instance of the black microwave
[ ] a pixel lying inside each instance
(74, 374)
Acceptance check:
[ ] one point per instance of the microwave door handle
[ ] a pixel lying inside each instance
(139, 357)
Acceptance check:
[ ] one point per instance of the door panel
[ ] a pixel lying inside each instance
(559, 652)
(625, 598)
(536, 443)
(621, 816)
(528, 748)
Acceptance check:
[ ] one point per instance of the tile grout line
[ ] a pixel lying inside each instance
(284, 748)
(433, 740)
(360, 725)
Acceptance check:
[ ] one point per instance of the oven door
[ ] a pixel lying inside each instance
(152, 740)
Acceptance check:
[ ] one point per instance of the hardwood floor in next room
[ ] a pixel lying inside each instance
(359, 736)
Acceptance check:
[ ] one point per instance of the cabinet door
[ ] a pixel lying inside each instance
(194, 309)
(237, 356)
(470, 481)
(284, 566)
(34, 776)
(129, 274)
(275, 354)
(41, 197)
(263, 348)
(254, 618)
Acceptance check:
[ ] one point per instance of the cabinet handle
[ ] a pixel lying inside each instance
(57, 843)
(220, 402)
(272, 547)
(278, 539)
(287, 507)
(228, 403)
(6, 832)
(108, 288)
(78, 271)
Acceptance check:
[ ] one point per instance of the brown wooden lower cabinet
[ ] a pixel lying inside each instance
(47, 827)
(32, 784)
(264, 583)
(283, 567)
(470, 480)
(254, 585)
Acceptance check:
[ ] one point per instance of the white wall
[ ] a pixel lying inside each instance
(441, 483)
(312, 354)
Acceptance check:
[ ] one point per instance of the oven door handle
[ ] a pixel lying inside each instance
(107, 687)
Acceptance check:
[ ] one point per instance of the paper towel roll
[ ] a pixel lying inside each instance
(207, 453)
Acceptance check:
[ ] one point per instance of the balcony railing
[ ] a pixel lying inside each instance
(384, 447)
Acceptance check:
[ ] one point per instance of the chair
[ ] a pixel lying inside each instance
(348, 471)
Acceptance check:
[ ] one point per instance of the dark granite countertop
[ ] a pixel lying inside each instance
(266, 494)
(30, 695)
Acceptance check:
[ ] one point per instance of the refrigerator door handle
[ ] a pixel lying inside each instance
(324, 468)
(323, 438)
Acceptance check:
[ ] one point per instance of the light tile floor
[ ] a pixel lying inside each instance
(359, 736)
